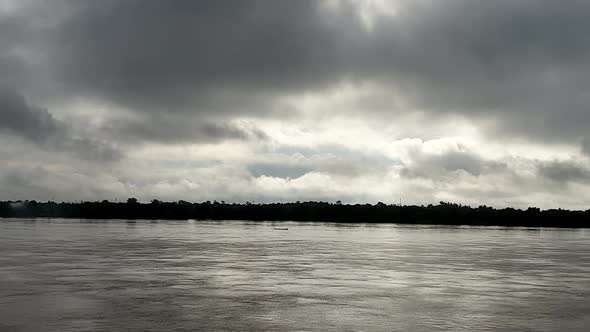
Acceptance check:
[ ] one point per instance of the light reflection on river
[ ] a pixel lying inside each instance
(72, 275)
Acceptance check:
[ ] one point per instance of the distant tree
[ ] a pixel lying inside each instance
(445, 214)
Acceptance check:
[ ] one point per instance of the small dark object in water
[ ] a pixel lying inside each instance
(281, 229)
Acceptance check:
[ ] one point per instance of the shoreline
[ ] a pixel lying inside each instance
(444, 214)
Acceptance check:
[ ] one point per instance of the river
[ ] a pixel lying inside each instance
(113, 275)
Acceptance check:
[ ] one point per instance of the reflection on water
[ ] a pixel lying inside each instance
(71, 275)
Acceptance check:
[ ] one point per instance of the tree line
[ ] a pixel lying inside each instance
(443, 213)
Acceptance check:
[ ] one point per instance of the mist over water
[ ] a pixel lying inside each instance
(79, 275)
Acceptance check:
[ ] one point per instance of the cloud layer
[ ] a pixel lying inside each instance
(275, 99)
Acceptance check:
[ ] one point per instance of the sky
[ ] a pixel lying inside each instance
(472, 102)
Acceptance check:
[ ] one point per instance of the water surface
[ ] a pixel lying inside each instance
(79, 275)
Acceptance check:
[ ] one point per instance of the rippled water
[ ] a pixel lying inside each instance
(72, 275)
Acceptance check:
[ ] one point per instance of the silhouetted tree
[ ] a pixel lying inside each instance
(445, 213)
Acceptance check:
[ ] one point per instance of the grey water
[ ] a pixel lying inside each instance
(81, 275)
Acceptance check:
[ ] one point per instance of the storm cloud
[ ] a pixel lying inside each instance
(37, 125)
(565, 171)
(28, 121)
(198, 56)
(523, 64)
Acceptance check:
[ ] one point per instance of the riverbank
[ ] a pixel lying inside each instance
(441, 214)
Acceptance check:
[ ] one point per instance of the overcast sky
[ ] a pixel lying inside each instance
(474, 102)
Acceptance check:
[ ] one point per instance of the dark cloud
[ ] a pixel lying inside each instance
(202, 56)
(565, 171)
(37, 125)
(14, 30)
(585, 145)
(12, 70)
(30, 122)
(522, 64)
(173, 128)
(18, 39)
